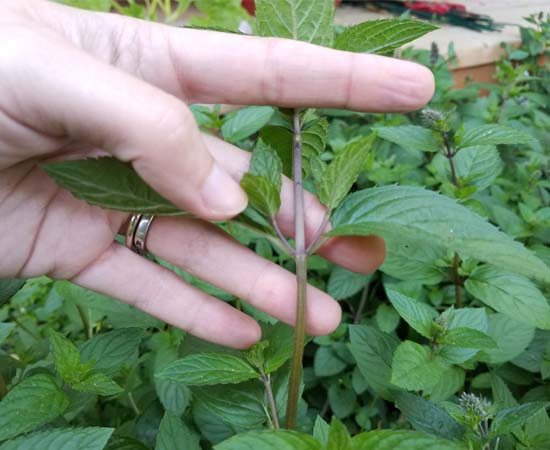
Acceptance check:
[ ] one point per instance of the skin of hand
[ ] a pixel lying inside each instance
(75, 83)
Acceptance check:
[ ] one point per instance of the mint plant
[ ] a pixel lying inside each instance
(219, 14)
(446, 347)
(263, 183)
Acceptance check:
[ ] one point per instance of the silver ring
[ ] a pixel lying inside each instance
(136, 234)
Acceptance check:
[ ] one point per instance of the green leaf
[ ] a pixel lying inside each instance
(174, 396)
(502, 396)
(316, 169)
(402, 440)
(451, 381)
(358, 381)
(211, 426)
(240, 405)
(304, 20)
(280, 385)
(174, 434)
(113, 349)
(478, 166)
(506, 420)
(342, 400)
(79, 404)
(112, 312)
(125, 443)
(320, 430)
(245, 122)
(97, 383)
(537, 98)
(280, 139)
(493, 134)
(467, 338)
(510, 294)
(270, 439)
(262, 194)
(255, 354)
(343, 283)
(411, 137)
(387, 318)
(408, 261)
(203, 369)
(475, 318)
(381, 36)
(373, 351)
(338, 436)
(280, 337)
(67, 358)
(219, 15)
(413, 368)
(35, 401)
(94, 5)
(62, 439)
(518, 54)
(5, 330)
(8, 288)
(427, 417)
(109, 183)
(266, 163)
(407, 214)
(418, 315)
(327, 363)
(146, 425)
(536, 429)
(540, 440)
(511, 336)
(344, 169)
(314, 138)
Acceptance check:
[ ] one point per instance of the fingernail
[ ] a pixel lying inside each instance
(221, 193)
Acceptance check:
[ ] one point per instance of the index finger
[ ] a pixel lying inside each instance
(213, 67)
(223, 68)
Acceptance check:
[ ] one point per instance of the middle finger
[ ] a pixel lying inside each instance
(208, 253)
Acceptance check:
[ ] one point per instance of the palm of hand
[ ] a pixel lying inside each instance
(45, 230)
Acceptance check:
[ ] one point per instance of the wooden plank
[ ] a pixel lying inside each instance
(471, 47)
(481, 74)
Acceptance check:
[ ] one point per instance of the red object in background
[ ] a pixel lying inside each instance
(435, 8)
(249, 5)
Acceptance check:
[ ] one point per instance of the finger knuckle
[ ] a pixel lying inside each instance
(176, 125)
(268, 288)
(274, 76)
(153, 294)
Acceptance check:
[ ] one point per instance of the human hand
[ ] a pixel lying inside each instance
(75, 84)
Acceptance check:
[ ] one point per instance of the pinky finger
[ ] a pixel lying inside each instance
(124, 275)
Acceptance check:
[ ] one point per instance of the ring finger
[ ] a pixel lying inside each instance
(208, 253)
